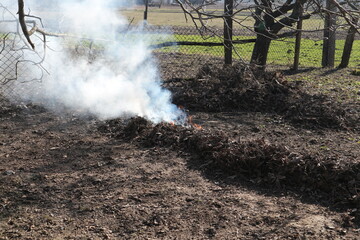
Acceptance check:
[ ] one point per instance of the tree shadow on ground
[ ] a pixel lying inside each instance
(301, 70)
(258, 164)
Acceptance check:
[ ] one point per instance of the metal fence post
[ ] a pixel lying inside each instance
(228, 30)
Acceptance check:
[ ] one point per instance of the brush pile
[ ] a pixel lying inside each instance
(238, 88)
(215, 153)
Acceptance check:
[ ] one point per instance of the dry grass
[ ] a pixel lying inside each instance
(174, 16)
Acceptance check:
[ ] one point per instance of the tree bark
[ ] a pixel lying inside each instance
(348, 46)
(23, 23)
(298, 43)
(260, 51)
(328, 58)
(228, 30)
(268, 28)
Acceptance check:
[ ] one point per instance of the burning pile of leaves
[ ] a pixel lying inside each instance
(239, 88)
(214, 152)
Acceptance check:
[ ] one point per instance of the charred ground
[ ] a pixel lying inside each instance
(276, 158)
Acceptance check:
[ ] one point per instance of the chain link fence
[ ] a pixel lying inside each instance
(16, 71)
(178, 60)
(10, 66)
(182, 61)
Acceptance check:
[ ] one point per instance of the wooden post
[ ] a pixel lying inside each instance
(146, 10)
(298, 43)
(328, 58)
(228, 30)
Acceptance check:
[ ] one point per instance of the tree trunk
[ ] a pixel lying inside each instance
(267, 28)
(260, 51)
(228, 30)
(146, 10)
(348, 46)
(329, 42)
(298, 42)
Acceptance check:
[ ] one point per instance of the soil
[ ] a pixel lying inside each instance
(265, 156)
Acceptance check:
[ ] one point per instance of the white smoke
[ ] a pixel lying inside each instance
(124, 81)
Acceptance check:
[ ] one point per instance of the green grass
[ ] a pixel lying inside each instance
(311, 52)
(281, 51)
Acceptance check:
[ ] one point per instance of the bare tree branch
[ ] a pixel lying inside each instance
(346, 15)
(23, 23)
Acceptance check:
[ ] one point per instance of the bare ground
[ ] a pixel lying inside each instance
(72, 177)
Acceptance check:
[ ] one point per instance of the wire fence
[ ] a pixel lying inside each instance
(182, 61)
(179, 60)
(17, 71)
(10, 68)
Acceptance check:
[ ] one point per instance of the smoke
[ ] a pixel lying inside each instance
(115, 77)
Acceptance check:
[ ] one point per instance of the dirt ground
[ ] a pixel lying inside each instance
(274, 159)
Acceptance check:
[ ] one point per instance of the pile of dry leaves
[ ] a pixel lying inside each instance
(238, 88)
(264, 163)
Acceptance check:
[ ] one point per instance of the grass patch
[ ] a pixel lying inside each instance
(340, 84)
(281, 51)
